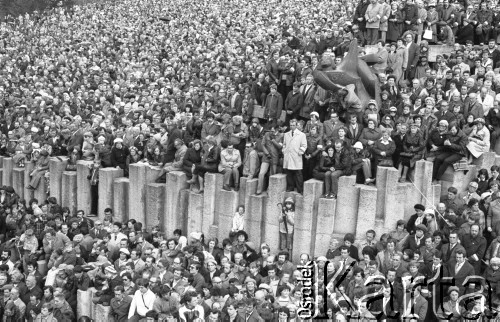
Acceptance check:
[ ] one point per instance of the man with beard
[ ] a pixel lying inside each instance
(5, 260)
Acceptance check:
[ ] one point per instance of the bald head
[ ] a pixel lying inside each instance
(260, 296)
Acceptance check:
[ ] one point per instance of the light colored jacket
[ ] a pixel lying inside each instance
(373, 15)
(293, 149)
(386, 12)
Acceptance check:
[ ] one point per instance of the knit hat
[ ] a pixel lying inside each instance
(110, 269)
(421, 227)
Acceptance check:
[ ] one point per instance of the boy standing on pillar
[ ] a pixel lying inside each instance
(94, 185)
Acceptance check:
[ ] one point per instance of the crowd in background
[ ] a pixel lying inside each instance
(229, 87)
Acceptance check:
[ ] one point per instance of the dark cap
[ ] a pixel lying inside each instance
(419, 207)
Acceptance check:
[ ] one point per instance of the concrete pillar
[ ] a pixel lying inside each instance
(155, 205)
(195, 213)
(367, 208)
(83, 200)
(254, 214)
(227, 202)
(137, 191)
(395, 199)
(436, 196)
(107, 178)
(56, 169)
(485, 161)
(83, 299)
(93, 307)
(213, 187)
(421, 187)
(182, 212)
(120, 199)
(176, 182)
(152, 173)
(306, 221)
(324, 225)
(102, 313)
(213, 231)
(41, 190)
(381, 184)
(347, 205)
(18, 181)
(458, 179)
(277, 184)
(8, 166)
(28, 167)
(497, 159)
(69, 196)
(247, 189)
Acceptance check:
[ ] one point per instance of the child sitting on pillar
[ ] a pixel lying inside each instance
(94, 185)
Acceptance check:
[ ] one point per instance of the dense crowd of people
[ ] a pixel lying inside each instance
(228, 87)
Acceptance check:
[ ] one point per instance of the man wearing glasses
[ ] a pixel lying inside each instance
(198, 279)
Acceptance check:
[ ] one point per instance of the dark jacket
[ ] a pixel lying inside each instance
(119, 156)
(458, 143)
(343, 161)
(210, 159)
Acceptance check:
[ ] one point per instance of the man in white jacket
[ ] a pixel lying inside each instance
(294, 146)
(142, 302)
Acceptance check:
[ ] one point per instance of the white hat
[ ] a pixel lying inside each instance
(358, 145)
(429, 211)
(118, 140)
(485, 195)
(195, 235)
(125, 251)
(315, 113)
(321, 259)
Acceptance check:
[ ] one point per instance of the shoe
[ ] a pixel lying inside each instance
(237, 187)
(191, 181)
(332, 196)
(325, 195)
(402, 180)
(226, 187)
(258, 193)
